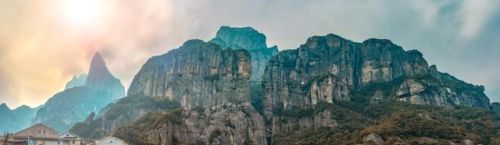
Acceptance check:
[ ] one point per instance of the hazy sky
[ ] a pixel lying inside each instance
(43, 43)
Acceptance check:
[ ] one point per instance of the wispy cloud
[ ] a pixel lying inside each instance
(475, 14)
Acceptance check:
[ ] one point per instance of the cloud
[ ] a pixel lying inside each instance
(39, 52)
(475, 14)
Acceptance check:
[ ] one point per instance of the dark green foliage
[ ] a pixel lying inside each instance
(135, 133)
(126, 105)
(90, 131)
(214, 135)
(348, 126)
(321, 136)
(123, 109)
(410, 123)
(174, 117)
(405, 120)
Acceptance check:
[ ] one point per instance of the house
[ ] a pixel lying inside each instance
(68, 138)
(40, 134)
(110, 141)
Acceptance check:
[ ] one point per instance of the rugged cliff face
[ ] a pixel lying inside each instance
(330, 69)
(209, 86)
(73, 105)
(212, 86)
(254, 42)
(328, 91)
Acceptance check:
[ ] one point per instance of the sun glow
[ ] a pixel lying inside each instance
(83, 13)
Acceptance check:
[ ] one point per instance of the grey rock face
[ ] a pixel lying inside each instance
(198, 74)
(442, 89)
(76, 81)
(73, 105)
(212, 86)
(329, 68)
(248, 39)
(291, 77)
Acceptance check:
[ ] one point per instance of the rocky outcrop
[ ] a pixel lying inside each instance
(333, 69)
(76, 81)
(328, 91)
(344, 66)
(248, 39)
(100, 79)
(73, 105)
(198, 74)
(17, 119)
(211, 86)
(441, 89)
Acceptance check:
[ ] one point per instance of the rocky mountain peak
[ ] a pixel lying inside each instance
(353, 66)
(4, 106)
(98, 69)
(378, 42)
(250, 40)
(240, 38)
(329, 87)
(91, 94)
(99, 78)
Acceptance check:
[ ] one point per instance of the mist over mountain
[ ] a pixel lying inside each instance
(17, 119)
(76, 81)
(81, 98)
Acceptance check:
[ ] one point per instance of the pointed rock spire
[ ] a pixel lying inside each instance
(98, 70)
(100, 78)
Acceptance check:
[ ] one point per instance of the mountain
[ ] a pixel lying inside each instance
(17, 119)
(210, 85)
(73, 105)
(249, 39)
(76, 81)
(8, 122)
(308, 88)
(100, 79)
(330, 90)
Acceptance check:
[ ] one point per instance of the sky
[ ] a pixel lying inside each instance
(43, 43)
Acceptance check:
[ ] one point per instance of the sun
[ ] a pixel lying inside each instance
(83, 13)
